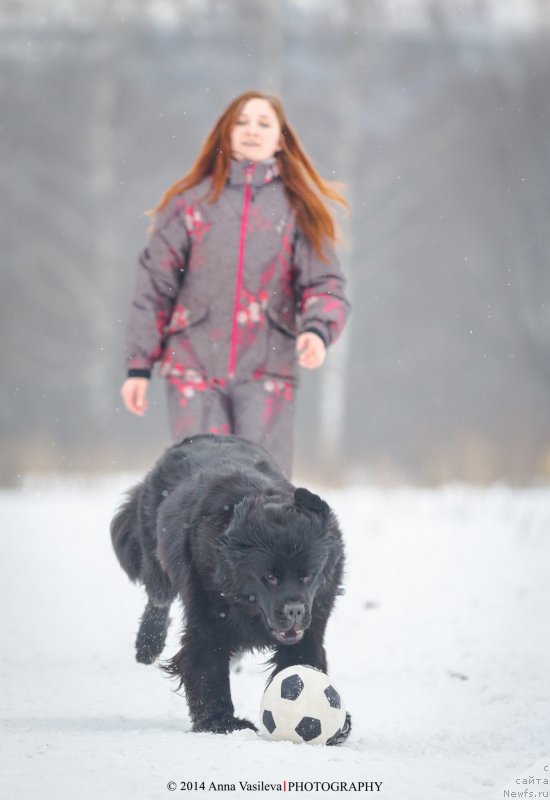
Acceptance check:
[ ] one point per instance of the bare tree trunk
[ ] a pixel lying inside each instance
(335, 371)
(272, 41)
(103, 185)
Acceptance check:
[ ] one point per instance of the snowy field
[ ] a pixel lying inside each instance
(441, 648)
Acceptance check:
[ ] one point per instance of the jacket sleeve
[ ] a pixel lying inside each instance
(160, 273)
(322, 303)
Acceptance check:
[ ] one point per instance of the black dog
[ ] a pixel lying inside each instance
(256, 562)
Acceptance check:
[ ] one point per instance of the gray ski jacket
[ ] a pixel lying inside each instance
(223, 289)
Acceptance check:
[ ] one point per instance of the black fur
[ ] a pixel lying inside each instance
(256, 562)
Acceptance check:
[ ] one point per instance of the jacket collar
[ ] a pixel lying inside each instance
(260, 171)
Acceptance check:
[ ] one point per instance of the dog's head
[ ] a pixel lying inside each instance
(275, 556)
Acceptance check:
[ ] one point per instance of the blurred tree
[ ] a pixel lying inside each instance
(104, 263)
(346, 156)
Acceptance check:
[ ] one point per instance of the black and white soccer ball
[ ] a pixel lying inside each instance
(301, 704)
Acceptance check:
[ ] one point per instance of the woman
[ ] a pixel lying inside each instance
(239, 283)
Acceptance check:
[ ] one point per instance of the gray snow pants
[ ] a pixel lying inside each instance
(261, 410)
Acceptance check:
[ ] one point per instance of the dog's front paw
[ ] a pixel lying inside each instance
(343, 733)
(152, 634)
(147, 651)
(224, 723)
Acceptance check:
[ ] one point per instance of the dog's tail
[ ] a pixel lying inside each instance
(124, 527)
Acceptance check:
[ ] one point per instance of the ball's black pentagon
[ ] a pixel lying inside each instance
(269, 722)
(291, 687)
(308, 728)
(333, 697)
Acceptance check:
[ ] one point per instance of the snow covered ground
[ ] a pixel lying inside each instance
(441, 648)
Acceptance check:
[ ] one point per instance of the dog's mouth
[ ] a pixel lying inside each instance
(291, 636)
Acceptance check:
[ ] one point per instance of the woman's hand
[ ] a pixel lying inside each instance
(134, 394)
(311, 350)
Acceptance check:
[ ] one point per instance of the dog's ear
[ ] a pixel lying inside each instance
(310, 502)
(233, 520)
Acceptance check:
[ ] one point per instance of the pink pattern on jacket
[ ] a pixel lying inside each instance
(232, 284)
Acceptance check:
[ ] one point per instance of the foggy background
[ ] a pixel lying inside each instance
(437, 116)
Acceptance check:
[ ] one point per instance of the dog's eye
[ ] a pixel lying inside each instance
(272, 579)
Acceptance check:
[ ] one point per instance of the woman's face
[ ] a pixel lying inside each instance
(257, 134)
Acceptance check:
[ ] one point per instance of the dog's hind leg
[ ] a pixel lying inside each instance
(152, 632)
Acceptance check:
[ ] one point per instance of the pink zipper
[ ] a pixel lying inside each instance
(240, 269)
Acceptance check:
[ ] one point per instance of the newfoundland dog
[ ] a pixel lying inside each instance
(257, 564)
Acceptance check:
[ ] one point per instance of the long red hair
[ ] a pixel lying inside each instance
(304, 186)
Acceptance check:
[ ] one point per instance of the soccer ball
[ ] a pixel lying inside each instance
(302, 705)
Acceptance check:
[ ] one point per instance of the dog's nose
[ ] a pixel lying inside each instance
(294, 612)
